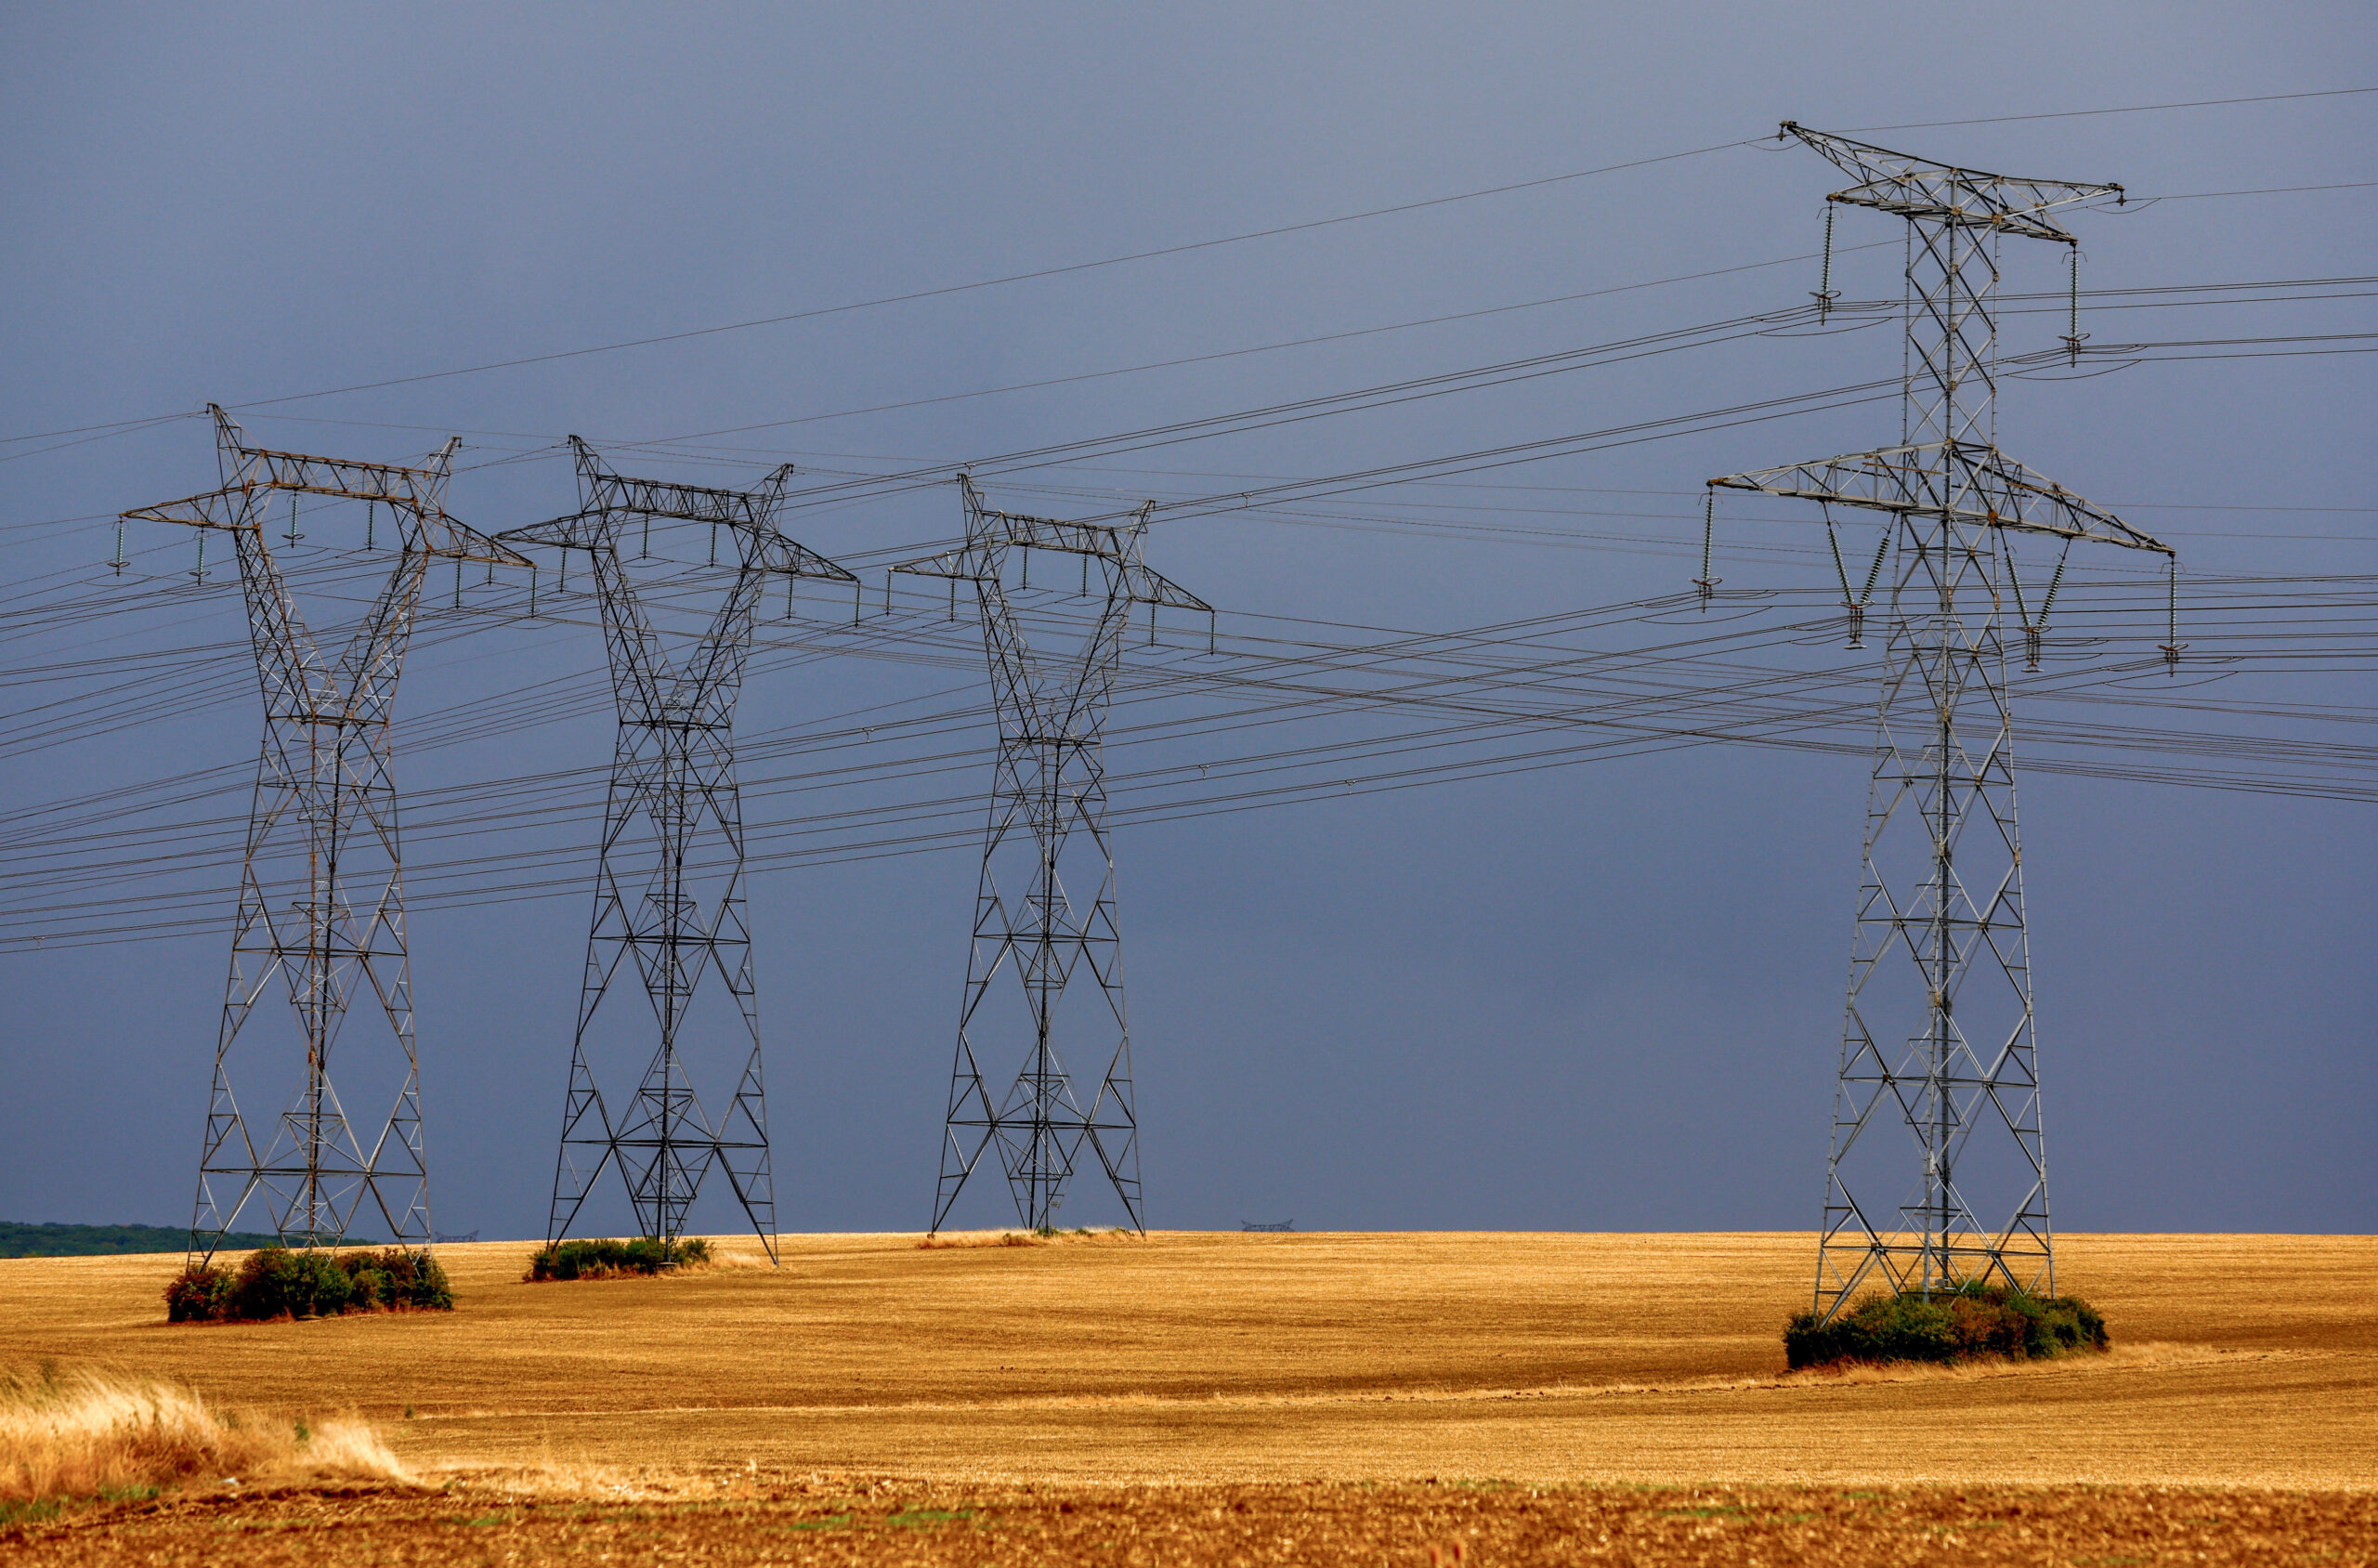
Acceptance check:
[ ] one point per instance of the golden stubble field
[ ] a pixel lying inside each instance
(1232, 1371)
(1239, 1357)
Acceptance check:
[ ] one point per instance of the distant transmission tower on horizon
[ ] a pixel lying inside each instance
(1939, 1033)
(322, 883)
(1045, 904)
(670, 903)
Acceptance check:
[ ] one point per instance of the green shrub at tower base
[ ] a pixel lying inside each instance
(608, 1259)
(1970, 1322)
(274, 1282)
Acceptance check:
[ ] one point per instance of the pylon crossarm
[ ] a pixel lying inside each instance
(963, 565)
(215, 509)
(1919, 188)
(607, 491)
(689, 503)
(415, 495)
(1057, 535)
(577, 530)
(233, 510)
(1146, 586)
(991, 533)
(416, 488)
(246, 466)
(1962, 481)
(774, 553)
(1140, 585)
(597, 528)
(445, 539)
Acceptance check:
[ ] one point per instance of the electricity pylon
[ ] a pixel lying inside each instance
(668, 893)
(1939, 1031)
(322, 884)
(1048, 818)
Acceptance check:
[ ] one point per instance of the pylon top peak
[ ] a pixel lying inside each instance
(1921, 191)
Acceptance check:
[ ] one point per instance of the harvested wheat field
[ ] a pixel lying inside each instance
(1255, 1398)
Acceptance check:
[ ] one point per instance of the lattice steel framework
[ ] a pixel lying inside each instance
(1938, 1032)
(669, 893)
(322, 884)
(1046, 844)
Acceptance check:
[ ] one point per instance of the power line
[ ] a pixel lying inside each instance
(1184, 248)
(2131, 109)
(942, 291)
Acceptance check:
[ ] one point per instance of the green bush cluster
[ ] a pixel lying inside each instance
(1973, 1320)
(275, 1282)
(605, 1260)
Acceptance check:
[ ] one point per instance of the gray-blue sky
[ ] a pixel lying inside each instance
(1604, 996)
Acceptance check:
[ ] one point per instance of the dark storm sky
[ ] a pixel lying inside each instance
(1597, 997)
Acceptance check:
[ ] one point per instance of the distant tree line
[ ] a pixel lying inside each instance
(18, 1239)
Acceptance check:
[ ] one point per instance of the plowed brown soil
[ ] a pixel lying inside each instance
(1153, 1382)
(1402, 1523)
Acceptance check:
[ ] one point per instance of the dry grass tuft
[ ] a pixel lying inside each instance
(735, 1257)
(981, 1238)
(2126, 1355)
(1028, 1238)
(88, 1434)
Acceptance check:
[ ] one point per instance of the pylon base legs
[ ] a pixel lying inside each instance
(665, 1148)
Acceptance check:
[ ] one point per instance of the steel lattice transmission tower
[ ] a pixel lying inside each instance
(1939, 1035)
(322, 884)
(669, 894)
(1045, 904)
